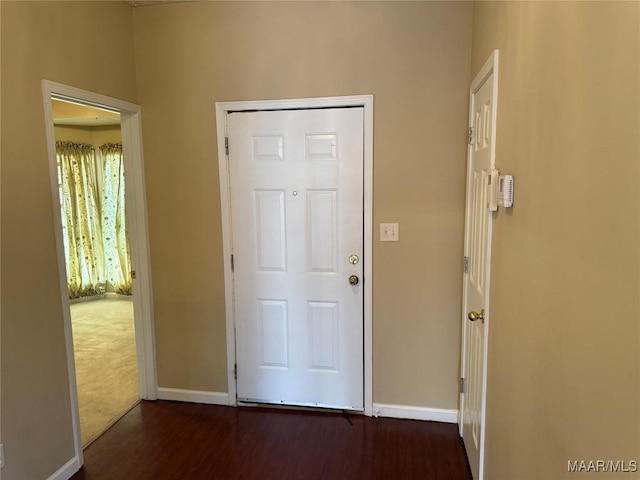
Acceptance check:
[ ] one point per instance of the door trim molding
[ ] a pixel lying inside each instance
(131, 131)
(67, 470)
(489, 67)
(222, 108)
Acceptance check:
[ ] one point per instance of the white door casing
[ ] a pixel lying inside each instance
(131, 131)
(476, 280)
(296, 216)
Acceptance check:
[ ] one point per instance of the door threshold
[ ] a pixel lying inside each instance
(300, 408)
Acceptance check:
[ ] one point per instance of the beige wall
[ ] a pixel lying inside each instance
(106, 134)
(564, 362)
(65, 133)
(563, 354)
(414, 57)
(63, 42)
(95, 136)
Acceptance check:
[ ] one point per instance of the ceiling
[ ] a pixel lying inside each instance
(67, 113)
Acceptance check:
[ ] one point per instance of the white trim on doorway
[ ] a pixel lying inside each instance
(366, 101)
(66, 471)
(131, 130)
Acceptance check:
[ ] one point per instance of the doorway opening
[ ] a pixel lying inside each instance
(103, 255)
(91, 180)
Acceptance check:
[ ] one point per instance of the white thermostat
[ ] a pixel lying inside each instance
(505, 191)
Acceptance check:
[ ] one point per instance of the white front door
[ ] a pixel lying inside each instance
(477, 270)
(296, 183)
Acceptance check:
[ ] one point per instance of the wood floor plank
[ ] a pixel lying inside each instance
(172, 440)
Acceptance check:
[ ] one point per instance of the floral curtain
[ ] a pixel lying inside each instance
(81, 225)
(114, 225)
(92, 199)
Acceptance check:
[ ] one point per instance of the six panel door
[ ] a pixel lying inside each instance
(477, 245)
(296, 182)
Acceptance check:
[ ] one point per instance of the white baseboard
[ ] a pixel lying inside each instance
(118, 296)
(193, 396)
(66, 471)
(379, 409)
(415, 413)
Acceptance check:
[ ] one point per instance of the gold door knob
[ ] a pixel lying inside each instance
(353, 280)
(473, 316)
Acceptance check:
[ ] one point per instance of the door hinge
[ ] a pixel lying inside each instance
(466, 264)
(233, 266)
(133, 274)
(463, 385)
(226, 145)
(470, 138)
(235, 371)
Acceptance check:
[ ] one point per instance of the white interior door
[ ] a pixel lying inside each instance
(296, 183)
(477, 271)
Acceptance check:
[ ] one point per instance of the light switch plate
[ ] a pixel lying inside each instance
(389, 232)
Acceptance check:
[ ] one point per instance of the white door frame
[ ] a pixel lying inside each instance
(222, 109)
(490, 67)
(131, 130)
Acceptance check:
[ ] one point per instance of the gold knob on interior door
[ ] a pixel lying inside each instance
(353, 280)
(473, 316)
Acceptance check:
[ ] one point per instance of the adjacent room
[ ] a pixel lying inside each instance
(98, 266)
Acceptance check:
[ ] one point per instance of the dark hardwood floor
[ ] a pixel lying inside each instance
(173, 440)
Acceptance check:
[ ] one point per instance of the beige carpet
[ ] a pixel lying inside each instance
(106, 370)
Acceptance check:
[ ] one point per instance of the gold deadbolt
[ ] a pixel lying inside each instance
(353, 259)
(473, 316)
